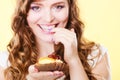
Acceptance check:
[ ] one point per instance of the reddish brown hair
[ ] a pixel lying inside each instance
(22, 47)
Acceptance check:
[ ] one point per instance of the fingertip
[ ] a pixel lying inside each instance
(58, 73)
(32, 69)
(53, 30)
(56, 42)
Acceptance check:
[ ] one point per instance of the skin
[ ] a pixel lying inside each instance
(2, 71)
(47, 19)
(39, 22)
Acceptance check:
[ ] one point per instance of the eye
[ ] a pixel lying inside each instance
(35, 8)
(60, 6)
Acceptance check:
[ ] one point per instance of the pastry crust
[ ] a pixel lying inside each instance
(51, 64)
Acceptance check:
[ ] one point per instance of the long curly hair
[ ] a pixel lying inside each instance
(23, 46)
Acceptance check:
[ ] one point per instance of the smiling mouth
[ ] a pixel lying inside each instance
(47, 28)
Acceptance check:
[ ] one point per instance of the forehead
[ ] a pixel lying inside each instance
(50, 2)
(47, 0)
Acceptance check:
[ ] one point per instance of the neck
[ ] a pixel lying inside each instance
(45, 48)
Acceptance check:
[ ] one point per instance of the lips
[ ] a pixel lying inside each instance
(47, 28)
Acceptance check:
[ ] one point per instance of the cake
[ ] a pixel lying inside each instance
(51, 63)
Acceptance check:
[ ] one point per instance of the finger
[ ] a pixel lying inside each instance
(55, 29)
(57, 74)
(60, 30)
(64, 38)
(63, 31)
(60, 73)
(60, 38)
(47, 75)
(32, 69)
(43, 74)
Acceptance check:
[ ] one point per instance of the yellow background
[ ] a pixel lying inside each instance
(101, 18)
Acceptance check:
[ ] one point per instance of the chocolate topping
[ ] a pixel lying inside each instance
(54, 56)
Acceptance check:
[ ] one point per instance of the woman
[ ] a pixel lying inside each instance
(42, 27)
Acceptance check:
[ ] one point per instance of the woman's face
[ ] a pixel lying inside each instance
(44, 15)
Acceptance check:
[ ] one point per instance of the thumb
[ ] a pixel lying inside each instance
(32, 69)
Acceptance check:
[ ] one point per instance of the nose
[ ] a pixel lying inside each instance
(48, 16)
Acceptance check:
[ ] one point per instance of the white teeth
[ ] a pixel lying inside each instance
(47, 28)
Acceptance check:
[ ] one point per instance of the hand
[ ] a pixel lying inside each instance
(69, 40)
(46, 75)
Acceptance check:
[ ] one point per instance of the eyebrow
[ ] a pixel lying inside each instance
(56, 3)
(36, 3)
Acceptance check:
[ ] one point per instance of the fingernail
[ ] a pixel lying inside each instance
(36, 70)
(61, 73)
(56, 42)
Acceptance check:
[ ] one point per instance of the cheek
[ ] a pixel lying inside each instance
(32, 18)
(63, 15)
(62, 18)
